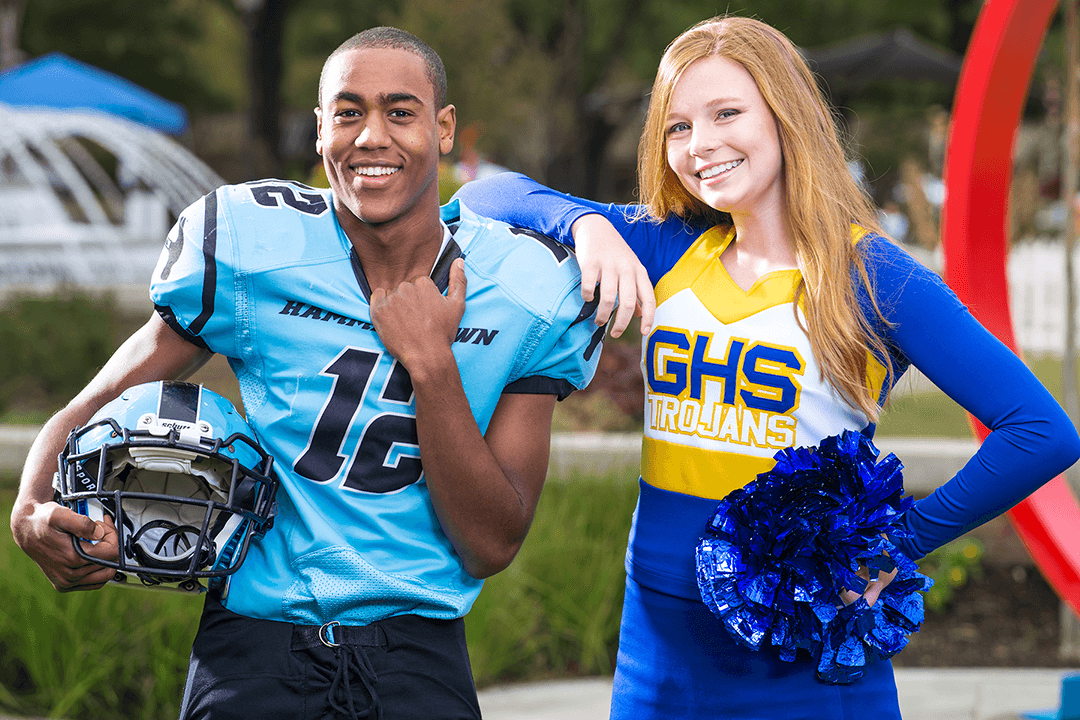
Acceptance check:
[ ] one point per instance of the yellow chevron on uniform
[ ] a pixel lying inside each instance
(702, 436)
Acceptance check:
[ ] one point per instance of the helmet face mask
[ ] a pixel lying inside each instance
(178, 470)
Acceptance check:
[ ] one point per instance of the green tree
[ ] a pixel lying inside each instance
(549, 88)
(314, 29)
(148, 43)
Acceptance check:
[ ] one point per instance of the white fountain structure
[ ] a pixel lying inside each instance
(87, 198)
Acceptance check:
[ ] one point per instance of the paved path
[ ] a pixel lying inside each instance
(925, 694)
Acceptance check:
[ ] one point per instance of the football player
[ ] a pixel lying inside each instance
(399, 361)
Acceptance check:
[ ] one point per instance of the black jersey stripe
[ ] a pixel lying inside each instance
(541, 385)
(209, 264)
(361, 278)
(179, 401)
(169, 317)
(588, 309)
(440, 274)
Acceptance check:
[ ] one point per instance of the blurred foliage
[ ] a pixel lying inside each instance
(549, 83)
(314, 29)
(115, 652)
(934, 414)
(950, 567)
(154, 44)
(449, 182)
(810, 23)
(52, 346)
(123, 652)
(593, 412)
(552, 86)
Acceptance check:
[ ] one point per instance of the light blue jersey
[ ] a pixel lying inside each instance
(263, 274)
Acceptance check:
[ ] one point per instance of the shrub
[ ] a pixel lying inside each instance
(121, 652)
(114, 652)
(52, 346)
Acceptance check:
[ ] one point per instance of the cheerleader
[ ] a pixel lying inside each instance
(783, 317)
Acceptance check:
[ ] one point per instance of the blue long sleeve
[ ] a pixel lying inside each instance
(517, 199)
(521, 201)
(1031, 439)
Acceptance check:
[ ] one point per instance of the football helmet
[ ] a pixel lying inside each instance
(179, 472)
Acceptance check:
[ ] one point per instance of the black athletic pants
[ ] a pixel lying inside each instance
(402, 668)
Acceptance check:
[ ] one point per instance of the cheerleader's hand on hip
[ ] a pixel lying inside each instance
(874, 585)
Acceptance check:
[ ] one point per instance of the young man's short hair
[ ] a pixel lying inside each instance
(389, 37)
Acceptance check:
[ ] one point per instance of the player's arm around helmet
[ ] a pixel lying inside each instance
(43, 528)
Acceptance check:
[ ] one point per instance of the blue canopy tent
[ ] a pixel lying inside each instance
(58, 81)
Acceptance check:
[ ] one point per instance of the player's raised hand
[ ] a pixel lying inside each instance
(45, 534)
(606, 259)
(415, 321)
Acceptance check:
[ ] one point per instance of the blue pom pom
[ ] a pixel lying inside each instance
(780, 550)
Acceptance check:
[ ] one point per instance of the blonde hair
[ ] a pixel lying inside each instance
(822, 198)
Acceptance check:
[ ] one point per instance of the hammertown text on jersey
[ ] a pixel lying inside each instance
(476, 336)
(744, 393)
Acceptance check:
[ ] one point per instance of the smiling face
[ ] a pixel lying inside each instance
(722, 140)
(380, 136)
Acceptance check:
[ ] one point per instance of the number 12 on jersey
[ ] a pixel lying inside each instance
(387, 456)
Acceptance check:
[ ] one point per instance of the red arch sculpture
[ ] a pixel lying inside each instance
(1000, 60)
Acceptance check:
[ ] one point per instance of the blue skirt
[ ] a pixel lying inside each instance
(677, 661)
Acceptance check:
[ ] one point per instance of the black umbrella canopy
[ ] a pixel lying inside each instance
(853, 64)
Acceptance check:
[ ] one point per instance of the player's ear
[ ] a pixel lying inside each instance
(446, 119)
(318, 130)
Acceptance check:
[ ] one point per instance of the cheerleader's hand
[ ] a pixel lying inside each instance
(608, 262)
(873, 587)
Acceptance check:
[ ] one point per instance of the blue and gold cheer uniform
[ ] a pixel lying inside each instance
(730, 378)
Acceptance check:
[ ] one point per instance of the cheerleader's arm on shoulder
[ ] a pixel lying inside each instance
(618, 249)
(1031, 439)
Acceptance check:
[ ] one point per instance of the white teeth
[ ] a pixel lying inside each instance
(717, 169)
(375, 171)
